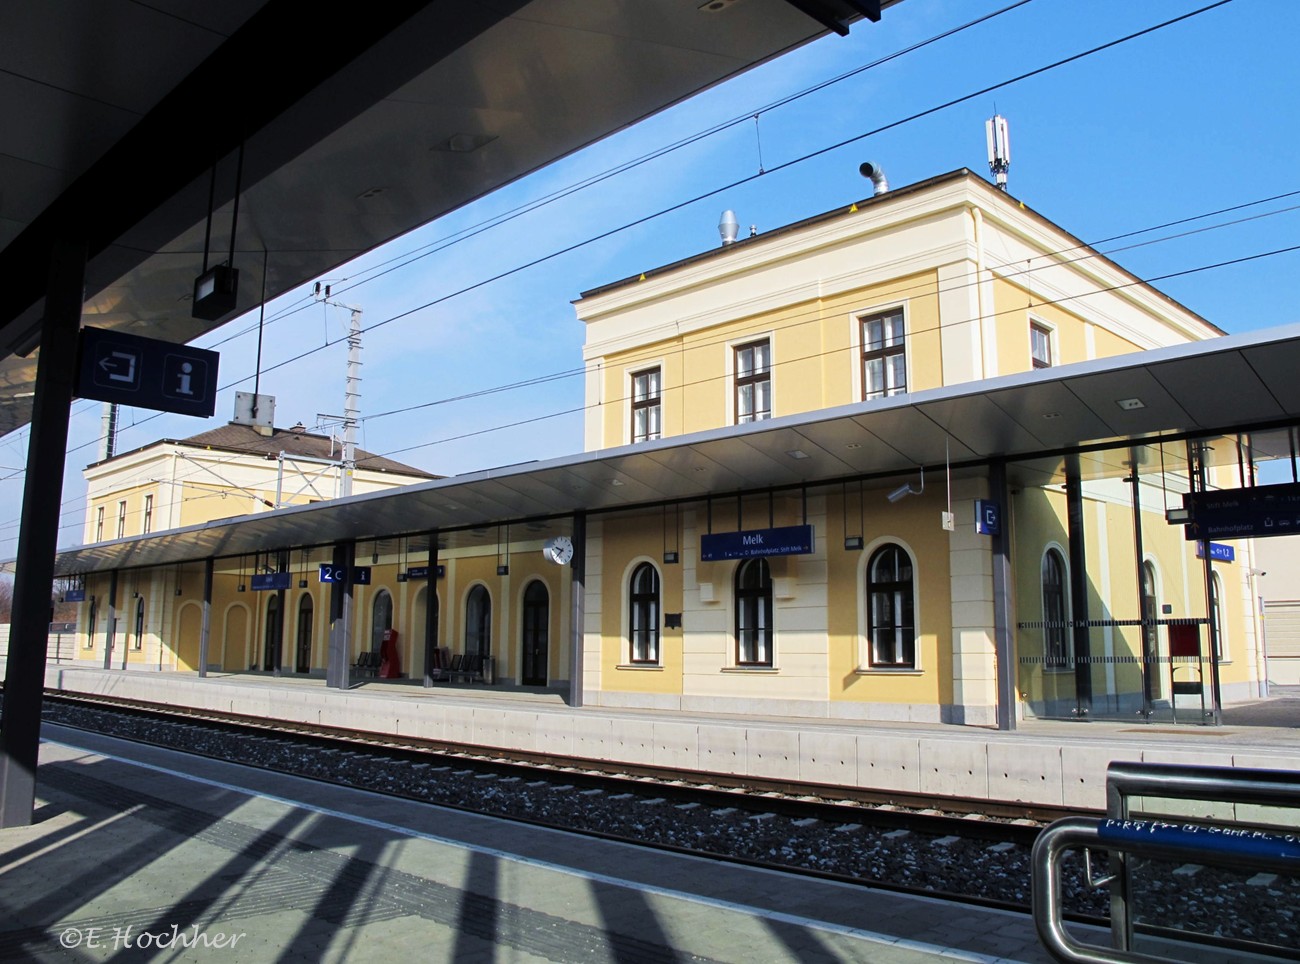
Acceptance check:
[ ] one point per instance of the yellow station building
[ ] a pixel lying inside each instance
(780, 509)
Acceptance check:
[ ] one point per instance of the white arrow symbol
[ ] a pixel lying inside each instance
(107, 364)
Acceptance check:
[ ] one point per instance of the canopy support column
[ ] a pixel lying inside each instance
(20, 726)
(578, 608)
(205, 627)
(337, 673)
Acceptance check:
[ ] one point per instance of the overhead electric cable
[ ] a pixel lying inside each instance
(782, 166)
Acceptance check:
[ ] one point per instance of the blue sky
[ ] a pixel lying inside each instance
(1196, 117)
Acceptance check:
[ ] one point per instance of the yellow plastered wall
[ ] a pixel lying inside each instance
(1015, 311)
(202, 503)
(134, 497)
(913, 524)
(815, 354)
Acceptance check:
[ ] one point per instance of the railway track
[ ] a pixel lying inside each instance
(941, 848)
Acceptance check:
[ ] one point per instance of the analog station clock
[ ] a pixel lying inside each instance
(559, 550)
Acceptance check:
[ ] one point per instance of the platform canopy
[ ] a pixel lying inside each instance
(339, 129)
(1114, 410)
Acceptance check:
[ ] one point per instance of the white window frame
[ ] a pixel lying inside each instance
(121, 518)
(625, 617)
(1052, 346)
(729, 370)
(855, 319)
(733, 657)
(629, 395)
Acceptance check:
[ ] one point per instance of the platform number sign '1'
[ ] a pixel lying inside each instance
(360, 574)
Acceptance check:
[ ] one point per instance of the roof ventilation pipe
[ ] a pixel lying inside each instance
(728, 227)
(876, 175)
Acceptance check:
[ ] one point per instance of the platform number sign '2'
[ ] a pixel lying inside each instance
(360, 574)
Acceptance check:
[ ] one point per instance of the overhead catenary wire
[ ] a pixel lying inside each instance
(784, 165)
(920, 288)
(744, 180)
(1015, 310)
(406, 258)
(925, 289)
(813, 355)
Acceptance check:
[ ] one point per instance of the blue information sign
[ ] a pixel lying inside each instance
(988, 517)
(1205, 838)
(1218, 552)
(75, 595)
(263, 581)
(360, 574)
(1265, 510)
(781, 541)
(147, 373)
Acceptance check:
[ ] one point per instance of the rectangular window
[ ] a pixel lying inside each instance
(753, 382)
(646, 417)
(99, 524)
(121, 519)
(884, 355)
(148, 514)
(1040, 345)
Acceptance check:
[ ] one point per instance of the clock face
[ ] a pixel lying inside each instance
(559, 550)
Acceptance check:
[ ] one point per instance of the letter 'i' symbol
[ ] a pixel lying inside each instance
(185, 379)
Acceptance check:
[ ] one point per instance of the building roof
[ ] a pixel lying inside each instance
(995, 198)
(234, 437)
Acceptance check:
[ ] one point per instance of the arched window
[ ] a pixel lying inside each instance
(890, 608)
(754, 613)
(381, 618)
(302, 661)
(271, 635)
(1151, 631)
(1216, 616)
(1055, 612)
(1150, 608)
(535, 638)
(643, 614)
(478, 622)
(138, 642)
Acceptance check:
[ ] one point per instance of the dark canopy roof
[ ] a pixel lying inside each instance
(125, 122)
(1223, 386)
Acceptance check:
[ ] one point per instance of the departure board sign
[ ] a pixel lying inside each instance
(752, 543)
(263, 581)
(1265, 510)
(422, 572)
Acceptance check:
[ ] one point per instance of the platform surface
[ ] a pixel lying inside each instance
(140, 853)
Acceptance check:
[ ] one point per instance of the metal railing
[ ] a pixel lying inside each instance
(1231, 845)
